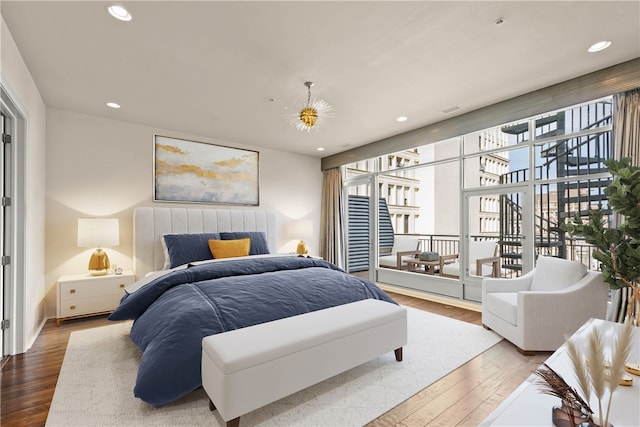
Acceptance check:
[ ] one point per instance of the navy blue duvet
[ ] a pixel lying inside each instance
(174, 312)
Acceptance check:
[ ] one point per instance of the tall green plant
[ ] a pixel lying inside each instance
(618, 249)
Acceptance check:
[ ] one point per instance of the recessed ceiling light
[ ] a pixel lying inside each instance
(402, 119)
(450, 109)
(113, 105)
(119, 12)
(320, 149)
(597, 47)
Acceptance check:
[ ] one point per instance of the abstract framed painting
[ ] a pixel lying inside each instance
(197, 172)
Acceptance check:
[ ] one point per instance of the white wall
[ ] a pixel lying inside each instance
(102, 167)
(18, 82)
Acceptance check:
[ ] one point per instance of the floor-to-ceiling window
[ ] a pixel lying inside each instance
(510, 186)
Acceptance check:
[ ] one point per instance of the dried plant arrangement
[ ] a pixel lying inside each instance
(573, 406)
(595, 375)
(621, 350)
(596, 366)
(580, 369)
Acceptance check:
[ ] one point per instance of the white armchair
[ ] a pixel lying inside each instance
(404, 249)
(539, 310)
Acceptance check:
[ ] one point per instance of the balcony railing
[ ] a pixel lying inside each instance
(510, 250)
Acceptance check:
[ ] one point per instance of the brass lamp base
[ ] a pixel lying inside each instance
(302, 248)
(99, 263)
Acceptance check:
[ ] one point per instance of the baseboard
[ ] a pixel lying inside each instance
(467, 305)
(32, 339)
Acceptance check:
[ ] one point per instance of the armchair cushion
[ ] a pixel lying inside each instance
(480, 249)
(482, 260)
(404, 244)
(516, 284)
(504, 305)
(404, 249)
(554, 274)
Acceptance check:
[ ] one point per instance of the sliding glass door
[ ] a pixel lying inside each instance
(497, 225)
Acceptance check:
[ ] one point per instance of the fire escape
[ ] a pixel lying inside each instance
(581, 155)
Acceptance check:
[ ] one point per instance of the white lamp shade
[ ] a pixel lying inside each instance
(300, 229)
(98, 232)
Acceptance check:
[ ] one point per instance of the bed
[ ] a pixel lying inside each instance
(175, 306)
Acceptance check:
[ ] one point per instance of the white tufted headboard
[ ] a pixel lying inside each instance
(150, 224)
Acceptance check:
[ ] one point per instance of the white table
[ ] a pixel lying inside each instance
(527, 406)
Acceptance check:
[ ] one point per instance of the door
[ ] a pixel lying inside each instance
(497, 223)
(5, 228)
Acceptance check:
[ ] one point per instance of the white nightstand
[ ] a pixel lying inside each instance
(83, 295)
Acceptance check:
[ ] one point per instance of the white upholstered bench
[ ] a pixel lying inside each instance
(245, 369)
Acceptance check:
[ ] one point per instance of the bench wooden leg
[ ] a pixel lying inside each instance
(232, 423)
(398, 352)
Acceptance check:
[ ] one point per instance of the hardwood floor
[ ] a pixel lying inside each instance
(467, 395)
(28, 380)
(463, 397)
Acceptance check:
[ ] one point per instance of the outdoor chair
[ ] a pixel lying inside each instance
(404, 248)
(483, 260)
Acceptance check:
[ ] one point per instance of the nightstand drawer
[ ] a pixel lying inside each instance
(82, 289)
(80, 306)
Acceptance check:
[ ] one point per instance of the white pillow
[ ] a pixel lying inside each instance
(165, 250)
(404, 244)
(480, 250)
(554, 274)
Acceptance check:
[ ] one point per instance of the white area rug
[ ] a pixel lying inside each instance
(95, 387)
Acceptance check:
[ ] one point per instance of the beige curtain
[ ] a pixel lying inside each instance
(331, 221)
(626, 139)
(626, 127)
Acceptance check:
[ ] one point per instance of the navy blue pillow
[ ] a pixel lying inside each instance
(186, 248)
(259, 244)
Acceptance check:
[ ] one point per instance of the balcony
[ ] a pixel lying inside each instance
(509, 251)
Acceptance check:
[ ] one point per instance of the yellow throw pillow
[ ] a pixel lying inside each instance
(229, 248)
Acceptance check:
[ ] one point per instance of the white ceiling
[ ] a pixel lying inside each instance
(210, 68)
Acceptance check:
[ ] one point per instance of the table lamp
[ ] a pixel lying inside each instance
(301, 229)
(97, 233)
